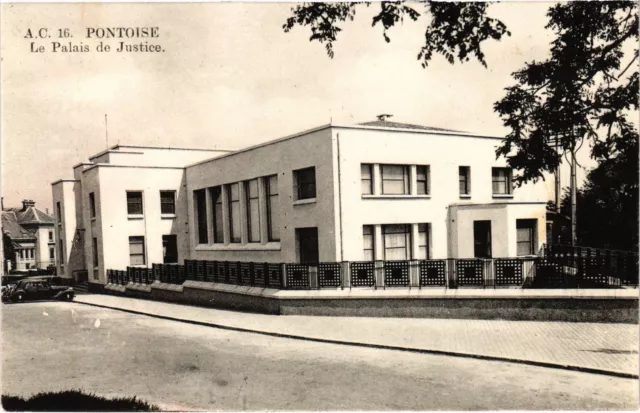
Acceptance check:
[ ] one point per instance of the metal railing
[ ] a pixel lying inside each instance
(554, 269)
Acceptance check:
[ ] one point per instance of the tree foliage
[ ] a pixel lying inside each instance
(609, 218)
(583, 92)
(455, 31)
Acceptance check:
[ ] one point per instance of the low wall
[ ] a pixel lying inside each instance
(580, 310)
(615, 305)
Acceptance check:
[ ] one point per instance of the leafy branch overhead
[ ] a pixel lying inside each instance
(584, 92)
(455, 30)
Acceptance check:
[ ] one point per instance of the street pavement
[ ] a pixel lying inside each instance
(49, 346)
(604, 347)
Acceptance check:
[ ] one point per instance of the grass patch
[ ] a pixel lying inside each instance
(75, 401)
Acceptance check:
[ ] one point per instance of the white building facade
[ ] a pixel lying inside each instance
(377, 191)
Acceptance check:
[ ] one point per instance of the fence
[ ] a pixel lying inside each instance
(556, 268)
(592, 266)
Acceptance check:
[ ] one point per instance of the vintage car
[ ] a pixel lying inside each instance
(38, 288)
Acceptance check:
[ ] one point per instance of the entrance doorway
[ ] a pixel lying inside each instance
(307, 245)
(482, 239)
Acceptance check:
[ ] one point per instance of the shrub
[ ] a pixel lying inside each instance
(75, 401)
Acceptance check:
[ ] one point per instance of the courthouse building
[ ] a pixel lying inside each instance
(374, 191)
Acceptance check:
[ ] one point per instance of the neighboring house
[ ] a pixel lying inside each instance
(375, 191)
(29, 233)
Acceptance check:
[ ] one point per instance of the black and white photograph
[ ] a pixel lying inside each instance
(340, 206)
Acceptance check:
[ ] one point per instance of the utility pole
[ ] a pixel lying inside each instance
(558, 187)
(574, 192)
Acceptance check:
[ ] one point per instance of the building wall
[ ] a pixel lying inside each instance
(444, 154)
(64, 193)
(42, 247)
(113, 226)
(281, 158)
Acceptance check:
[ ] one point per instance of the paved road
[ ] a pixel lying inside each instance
(55, 346)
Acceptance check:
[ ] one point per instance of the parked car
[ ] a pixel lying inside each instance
(38, 288)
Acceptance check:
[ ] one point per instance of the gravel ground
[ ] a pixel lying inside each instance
(50, 346)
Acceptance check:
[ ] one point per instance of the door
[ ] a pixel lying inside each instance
(307, 245)
(482, 239)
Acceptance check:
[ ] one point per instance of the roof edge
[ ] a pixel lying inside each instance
(64, 180)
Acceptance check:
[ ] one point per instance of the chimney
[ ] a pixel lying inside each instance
(384, 117)
(26, 203)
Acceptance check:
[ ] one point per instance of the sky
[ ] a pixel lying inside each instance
(229, 77)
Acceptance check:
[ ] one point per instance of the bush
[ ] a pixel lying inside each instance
(74, 401)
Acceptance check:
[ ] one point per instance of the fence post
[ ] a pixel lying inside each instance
(283, 276)
(414, 273)
(345, 275)
(313, 277)
(378, 275)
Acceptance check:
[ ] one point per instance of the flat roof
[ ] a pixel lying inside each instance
(357, 126)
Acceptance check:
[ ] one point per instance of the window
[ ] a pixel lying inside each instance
(397, 241)
(234, 212)
(395, 179)
(52, 253)
(368, 242)
(61, 252)
(253, 210)
(366, 173)
(218, 223)
(422, 179)
(201, 215)
(134, 203)
(50, 236)
(170, 249)
(423, 241)
(136, 251)
(305, 180)
(168, 202)
(95, 251)
(273, 220)
(59, 212)
(501, 181)
(92, 205)
(464, 180)
(526, 234)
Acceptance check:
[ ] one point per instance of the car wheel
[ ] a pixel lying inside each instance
(20, 298)
(68, 297)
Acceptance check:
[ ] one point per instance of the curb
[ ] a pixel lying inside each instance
(379, 346)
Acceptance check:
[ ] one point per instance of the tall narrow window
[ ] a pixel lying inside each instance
(95, 251)
(136, 250)
(170, 249)
(253, 210)
(61, 251)
(422, 179)
(273, 219)
(168, 202)
(59, 212)
(52, 253)
(395, 179)
(397, 241)
(305, 181)
(501, 178)
(50, 236)
(234, 212)
(218, 223)
(366, 178)
(368, 242)
(201, 215)
(423, 241)
(526, 235)
(134, 203)
(92, 205)
(464, 180)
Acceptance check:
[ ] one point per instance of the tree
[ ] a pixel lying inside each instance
(456, 30)
(582, 92)
(609, 218)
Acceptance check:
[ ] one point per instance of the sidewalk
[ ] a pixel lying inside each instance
(596, 347)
